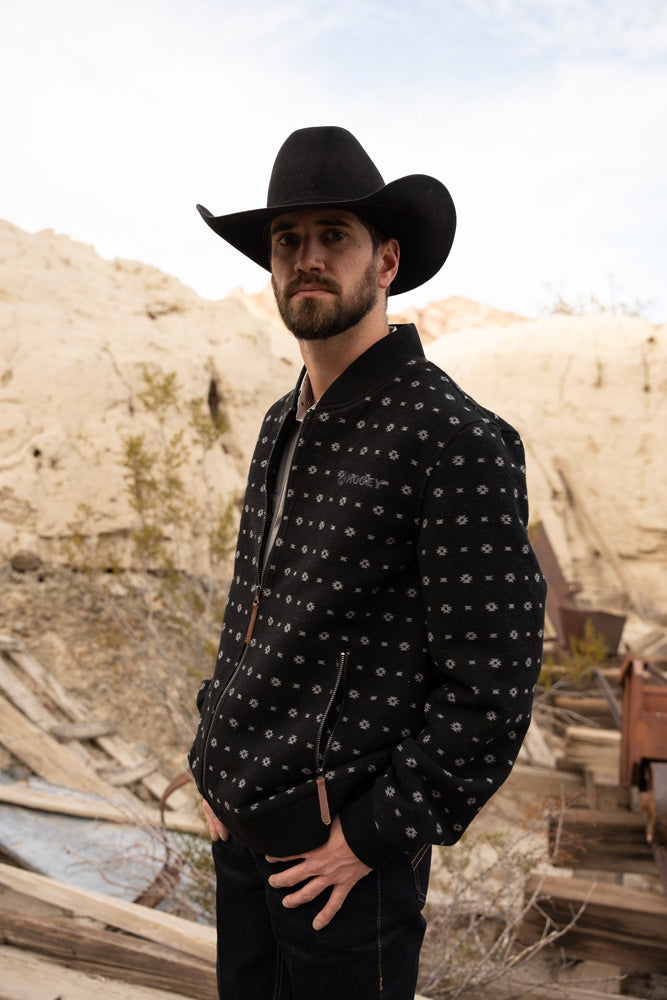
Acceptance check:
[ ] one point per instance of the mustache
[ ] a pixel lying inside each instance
(296, 284)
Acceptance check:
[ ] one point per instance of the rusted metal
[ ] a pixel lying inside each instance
(559, 590)
(644, 752)
(567, 618)
(654, 802)
(610, 626)
(644, 732)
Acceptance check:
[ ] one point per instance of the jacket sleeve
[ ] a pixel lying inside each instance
(483, 596)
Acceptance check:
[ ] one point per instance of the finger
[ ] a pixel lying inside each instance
(328, 912)
(216, 829)
(290, 876)
(275, 861)
(306, 894)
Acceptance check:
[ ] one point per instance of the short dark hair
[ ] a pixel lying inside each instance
(376, 234)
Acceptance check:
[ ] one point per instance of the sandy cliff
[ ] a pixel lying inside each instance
(76, 332)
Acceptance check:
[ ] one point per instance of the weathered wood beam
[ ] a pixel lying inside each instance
(66, 732)
(163, 928)
(626, 927)
(601, 840)
(114, 746)
(594, 750)
(110, 954)
(44, 755)
(119, 776)
(26, 976)
(544, 783)
(54, 802)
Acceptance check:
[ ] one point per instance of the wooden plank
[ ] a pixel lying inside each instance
(65, 732)
(514, 988)
(626, 927)
(544, 783)
(535, 746)
(114, 746)
(601, 840)
(29, 977)
(35, 711)
(22, 697)
(53, 802)
(594, 750)
(164, 928)
(119, 776)
(110, 954)
(44, 755)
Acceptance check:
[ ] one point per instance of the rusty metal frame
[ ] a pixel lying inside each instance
(644, 732)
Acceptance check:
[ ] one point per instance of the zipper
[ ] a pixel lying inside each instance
(255, 604)
(321, 753)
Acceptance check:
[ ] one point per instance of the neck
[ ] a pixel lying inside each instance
(325, 360)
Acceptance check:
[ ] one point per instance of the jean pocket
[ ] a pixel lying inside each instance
(421, 870)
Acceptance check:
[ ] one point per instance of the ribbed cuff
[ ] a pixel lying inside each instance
(358, 822)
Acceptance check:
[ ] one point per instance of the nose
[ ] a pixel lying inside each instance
(309, 257)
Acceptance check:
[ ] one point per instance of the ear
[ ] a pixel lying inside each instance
(389, 254)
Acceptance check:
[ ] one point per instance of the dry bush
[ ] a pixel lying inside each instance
(477, 901)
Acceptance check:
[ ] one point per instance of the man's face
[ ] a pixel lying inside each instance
(324, 271)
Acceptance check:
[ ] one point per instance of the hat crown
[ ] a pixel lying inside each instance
(320, 165)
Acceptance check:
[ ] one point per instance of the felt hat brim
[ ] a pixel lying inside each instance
(417, 210)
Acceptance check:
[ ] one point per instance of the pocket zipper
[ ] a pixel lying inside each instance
(322, 798)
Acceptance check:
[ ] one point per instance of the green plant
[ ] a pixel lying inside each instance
(177, 522)
(586, 652)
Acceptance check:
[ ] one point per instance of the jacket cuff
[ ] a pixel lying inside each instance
(358, 823)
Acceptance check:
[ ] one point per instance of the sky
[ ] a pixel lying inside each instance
(544, 118)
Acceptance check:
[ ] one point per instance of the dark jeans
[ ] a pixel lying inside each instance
(369, 950)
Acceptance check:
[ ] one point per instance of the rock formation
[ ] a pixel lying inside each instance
(77, 332)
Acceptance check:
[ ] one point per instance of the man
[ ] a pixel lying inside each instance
(383, 632)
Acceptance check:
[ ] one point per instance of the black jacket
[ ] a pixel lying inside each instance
(387, 656)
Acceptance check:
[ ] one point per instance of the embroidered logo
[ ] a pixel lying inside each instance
(353, 479)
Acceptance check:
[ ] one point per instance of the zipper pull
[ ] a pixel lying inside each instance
(253, 619)
(323, 800)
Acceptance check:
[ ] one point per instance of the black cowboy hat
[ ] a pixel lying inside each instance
(328, 166)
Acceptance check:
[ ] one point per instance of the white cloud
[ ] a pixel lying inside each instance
(544, 119)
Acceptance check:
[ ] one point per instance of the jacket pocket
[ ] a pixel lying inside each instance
(325, 733)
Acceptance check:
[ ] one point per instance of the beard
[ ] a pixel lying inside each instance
(319, 319)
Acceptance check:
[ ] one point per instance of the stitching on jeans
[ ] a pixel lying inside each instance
(416, 858)
(414, 862)
(278, 981)
(379, 930)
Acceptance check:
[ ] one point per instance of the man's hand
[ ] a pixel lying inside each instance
(331, 865)
(217, 829)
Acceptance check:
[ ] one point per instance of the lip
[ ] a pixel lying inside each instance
(310, 292)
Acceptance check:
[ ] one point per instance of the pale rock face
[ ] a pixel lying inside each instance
(76, 332)
(587, 395)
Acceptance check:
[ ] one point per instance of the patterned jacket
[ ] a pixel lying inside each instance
(382, 666)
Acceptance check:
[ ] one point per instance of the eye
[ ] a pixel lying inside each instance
(285, 239)
(335, 235)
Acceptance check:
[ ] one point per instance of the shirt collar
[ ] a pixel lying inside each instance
(306, 399)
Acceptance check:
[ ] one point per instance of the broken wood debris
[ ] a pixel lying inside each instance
(20, 794)
(183, 935)
(18, 667)
(110, 954)
(627, 928)
(601, 840)
(90, 729)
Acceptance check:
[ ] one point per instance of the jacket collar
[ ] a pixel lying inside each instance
(371, 369)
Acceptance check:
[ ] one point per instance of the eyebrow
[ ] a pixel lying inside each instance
(281, 227)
